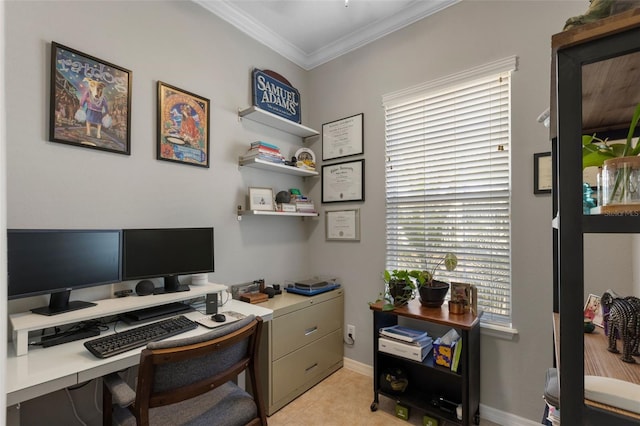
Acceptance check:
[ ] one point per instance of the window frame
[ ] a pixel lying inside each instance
(495, 325)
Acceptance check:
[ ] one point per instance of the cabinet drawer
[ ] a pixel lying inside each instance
(299, 328)
(301, 369)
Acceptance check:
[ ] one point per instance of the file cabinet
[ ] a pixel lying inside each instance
(301, 346)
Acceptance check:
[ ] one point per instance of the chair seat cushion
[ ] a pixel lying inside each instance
(227, 405)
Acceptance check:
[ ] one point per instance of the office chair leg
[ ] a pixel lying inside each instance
(107, 407)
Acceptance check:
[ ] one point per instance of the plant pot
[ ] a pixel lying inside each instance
(621, 183)
(400, 294)
(433, 296)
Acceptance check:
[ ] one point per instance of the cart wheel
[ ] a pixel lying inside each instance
(374, 406)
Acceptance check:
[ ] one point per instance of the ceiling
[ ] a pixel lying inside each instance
(312, 32)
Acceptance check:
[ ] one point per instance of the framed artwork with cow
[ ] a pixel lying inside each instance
(90, 104)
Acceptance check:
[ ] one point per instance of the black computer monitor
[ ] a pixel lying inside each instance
(167, 253)
(56, 261)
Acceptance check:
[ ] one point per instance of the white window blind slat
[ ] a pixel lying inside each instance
(448, 184)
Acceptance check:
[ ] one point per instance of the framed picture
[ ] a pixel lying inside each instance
(183, 126)
(342, 225)
(461, 293)
(261, 199)
(343, 138)
(467, 294)
(343, 182)
(593, 310)
(542, 173)
(90, 103)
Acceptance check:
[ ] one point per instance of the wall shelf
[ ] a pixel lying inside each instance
(280, 168)
(274, 213)
(267, 118)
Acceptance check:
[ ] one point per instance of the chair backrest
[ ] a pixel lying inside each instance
(171, 371)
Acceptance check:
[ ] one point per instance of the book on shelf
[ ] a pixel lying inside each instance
(265, 157)
(264, 145)
(403, 333)
(457, 351)
(404, 349)
(423, 341)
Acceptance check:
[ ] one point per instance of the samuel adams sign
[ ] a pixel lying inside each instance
(273, 93)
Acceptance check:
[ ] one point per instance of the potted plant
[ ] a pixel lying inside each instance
(432, 291)
(399, 288)
(621, 174)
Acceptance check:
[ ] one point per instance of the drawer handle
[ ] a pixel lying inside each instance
(311, 368)
(311, 330)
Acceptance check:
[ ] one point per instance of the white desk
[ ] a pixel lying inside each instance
(44, 370)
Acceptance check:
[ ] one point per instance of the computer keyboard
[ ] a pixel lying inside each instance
(104, 347)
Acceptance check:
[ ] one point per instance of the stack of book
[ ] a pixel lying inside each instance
(405, 342)
(264, 151)
(305, 206)
(303, 203)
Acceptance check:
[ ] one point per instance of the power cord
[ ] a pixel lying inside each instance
(350, 341)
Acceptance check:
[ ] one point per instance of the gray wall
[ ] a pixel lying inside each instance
(52, 185)
(463, 36)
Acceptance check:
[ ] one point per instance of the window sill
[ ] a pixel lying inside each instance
(499, 331)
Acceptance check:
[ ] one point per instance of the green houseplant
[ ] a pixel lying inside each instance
(401, 285)
(433, 291)
(621, 159)
(399, 288)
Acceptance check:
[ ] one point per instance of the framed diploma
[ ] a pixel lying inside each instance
(343, 138)
(342, 225)
(343, 182)
(542, 181)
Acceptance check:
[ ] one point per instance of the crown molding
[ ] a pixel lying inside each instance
(256, 30)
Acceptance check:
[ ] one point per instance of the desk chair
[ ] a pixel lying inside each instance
(189, 381)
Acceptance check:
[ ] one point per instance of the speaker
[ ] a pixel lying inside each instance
(145, 288)
(211, 304)
(270, 291)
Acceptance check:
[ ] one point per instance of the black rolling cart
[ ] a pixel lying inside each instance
(428, 382)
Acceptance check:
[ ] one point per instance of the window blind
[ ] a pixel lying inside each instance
(448, 185)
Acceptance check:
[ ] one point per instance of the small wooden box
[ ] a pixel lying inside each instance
(254, 297)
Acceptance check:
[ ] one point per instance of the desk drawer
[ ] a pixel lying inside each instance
(299, 328)
(298, 371)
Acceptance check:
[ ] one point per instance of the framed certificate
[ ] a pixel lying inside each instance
(343, 138)
(343, 182)
(542, 181)
(342, 225)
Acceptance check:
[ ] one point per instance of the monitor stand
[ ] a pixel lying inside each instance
(171, 285)
(59, 304)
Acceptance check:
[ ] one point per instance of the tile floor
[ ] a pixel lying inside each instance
(344, 398)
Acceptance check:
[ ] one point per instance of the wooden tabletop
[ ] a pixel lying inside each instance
(441, 315)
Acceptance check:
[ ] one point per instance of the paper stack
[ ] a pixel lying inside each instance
(405, 342)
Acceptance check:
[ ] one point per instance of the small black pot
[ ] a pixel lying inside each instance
(401, 296)
(433, 296)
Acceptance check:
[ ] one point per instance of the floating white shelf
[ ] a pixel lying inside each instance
(272, 120)
(274, 213)
(274, 167)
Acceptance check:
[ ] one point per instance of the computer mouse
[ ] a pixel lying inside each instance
(218, 317)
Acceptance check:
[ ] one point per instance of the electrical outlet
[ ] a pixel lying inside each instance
(351, 331)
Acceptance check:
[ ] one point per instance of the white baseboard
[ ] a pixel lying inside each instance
(502, 418)
(486, 412)
(358, 367)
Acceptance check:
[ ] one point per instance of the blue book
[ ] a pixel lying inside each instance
(403, 333)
